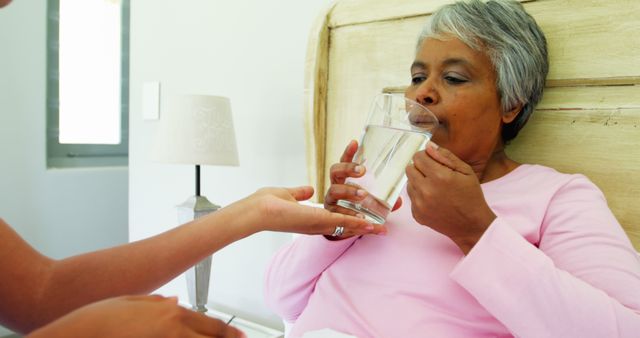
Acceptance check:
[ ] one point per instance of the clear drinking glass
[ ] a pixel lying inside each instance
(396, 129)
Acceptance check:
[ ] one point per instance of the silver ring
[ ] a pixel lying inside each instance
(338, 232)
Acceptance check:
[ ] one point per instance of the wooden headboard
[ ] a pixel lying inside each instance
(588, 121)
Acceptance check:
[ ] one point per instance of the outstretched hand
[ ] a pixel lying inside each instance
(281, 211)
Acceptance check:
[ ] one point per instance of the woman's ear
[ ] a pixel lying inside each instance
(511, 115)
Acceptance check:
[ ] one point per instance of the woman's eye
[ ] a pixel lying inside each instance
(454, 79)
(417, 79)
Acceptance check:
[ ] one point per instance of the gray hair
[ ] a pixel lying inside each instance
(512, 40)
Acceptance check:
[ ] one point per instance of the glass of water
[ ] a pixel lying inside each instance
(396, 129)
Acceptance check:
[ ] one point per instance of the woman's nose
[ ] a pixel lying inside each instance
(427, 93)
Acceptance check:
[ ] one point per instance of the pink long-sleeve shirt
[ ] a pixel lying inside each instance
(554, 263)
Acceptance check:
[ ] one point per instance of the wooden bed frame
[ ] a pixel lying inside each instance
(588, 121)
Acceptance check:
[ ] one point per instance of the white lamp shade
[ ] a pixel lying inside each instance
(197, 129)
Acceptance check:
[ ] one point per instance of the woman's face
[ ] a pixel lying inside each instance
(458, 84)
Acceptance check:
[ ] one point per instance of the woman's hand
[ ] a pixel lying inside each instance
(136, 316)
(446, 196)
(338, 190)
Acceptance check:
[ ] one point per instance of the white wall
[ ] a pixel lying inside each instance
(60, 212)
(253, 52)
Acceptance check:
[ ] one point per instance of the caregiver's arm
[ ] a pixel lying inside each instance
(36, 290)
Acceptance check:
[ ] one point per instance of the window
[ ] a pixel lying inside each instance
(87, 83)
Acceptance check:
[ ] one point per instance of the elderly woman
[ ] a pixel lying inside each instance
(484, 246)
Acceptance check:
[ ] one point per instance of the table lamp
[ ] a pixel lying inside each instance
(197, 130)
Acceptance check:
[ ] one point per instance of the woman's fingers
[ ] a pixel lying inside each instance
(349, 151)
(346, 168)
(342, 210)
(436, 160)
(414, 175)
(343, 192)
(339, 172)
(424, 164)
(448, 159)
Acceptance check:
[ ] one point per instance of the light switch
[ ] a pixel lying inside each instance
(151, 100)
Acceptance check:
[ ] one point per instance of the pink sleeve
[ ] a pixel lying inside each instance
(292, 273)
(582, 281)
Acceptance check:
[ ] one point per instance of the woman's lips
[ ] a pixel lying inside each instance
(423, 120)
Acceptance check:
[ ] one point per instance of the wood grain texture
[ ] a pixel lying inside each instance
(315, 93)
(576, 98)
(590, 39)
(353, 12)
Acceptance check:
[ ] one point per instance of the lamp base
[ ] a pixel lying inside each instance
(197, 276)
(198, 284)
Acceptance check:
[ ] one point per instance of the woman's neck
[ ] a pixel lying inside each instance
(498, 165)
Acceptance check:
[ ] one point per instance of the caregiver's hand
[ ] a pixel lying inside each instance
(136, 316)
(279, 210)
(446, 196)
